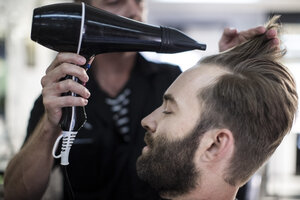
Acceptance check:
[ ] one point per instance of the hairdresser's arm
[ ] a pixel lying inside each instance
(231, 37)
(27, 174)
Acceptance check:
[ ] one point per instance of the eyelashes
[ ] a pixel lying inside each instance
(166, 112)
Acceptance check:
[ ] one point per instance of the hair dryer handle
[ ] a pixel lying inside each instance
(73, 118)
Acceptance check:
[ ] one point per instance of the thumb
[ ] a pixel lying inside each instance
(230, 32)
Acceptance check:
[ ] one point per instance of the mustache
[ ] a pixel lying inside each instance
(149, 139)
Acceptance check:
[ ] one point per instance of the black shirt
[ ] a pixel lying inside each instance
(103, 165)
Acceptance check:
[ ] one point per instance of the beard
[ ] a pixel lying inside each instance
(169, 166)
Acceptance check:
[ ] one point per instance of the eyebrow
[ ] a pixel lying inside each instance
(170, 98)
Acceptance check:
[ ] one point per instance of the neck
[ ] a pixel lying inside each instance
(112, 71)
(221, 194)
(114, 63)
(212, 188)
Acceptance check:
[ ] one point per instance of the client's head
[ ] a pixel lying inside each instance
(219, 122)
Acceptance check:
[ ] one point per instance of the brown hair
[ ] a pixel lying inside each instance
(256, 100)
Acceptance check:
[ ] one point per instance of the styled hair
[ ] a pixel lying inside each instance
(256, 100)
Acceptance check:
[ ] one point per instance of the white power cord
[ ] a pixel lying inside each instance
(68, 137)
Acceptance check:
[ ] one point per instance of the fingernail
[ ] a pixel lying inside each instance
(85, 101)
(82, 60)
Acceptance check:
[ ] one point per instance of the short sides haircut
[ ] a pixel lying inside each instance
(256, 100)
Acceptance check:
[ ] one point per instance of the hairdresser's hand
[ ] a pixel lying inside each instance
(231, 37)
(53, 85)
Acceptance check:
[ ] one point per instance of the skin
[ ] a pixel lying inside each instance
(112, 70)
(180, 104)
(177, 117)
(231, 37)
(27, 174)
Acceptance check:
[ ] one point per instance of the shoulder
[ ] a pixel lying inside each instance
(167, 68)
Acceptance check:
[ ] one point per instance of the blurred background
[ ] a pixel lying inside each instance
(23, 63)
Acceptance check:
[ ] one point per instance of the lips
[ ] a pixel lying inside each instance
(148, 140)
(145, 149)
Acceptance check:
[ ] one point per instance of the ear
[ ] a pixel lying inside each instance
(219, 145)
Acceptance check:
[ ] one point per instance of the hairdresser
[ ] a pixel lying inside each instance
(121, 89)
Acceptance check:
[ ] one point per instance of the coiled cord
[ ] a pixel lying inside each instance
(68, 138)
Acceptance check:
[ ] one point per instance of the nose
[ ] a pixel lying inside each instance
(134, 9)
(149, 123)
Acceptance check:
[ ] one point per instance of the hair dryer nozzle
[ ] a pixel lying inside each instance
(174, 41)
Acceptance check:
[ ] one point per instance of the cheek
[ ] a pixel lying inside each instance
(180, 127)
(172, 129)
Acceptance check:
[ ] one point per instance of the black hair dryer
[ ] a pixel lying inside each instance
(71, 27)
(86, 30)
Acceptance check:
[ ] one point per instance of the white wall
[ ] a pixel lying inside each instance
(23, 79)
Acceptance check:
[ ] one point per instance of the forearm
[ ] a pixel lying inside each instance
(27, 174)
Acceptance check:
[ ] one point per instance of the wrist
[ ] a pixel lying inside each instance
(49, 131)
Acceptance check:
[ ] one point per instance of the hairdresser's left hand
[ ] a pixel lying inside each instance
(231, 37)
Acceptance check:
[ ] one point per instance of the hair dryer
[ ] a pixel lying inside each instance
(65, 27)
(86, 30)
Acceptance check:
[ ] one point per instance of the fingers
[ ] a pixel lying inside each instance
(65, 64)
(52, 95)
(66, 58)
(226, 40)
(228, 35)
(231, 37)
(272, 34)
(54, 104)
(229, 32)
(61, 71)
(275, 42)
(56, 89)
(250, 33)
(54, 86)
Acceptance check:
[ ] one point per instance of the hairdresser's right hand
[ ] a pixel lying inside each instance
(54, 85)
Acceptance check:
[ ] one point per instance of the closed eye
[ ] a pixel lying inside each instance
(167, 112)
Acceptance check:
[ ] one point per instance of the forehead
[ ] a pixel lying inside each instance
(190, 82)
